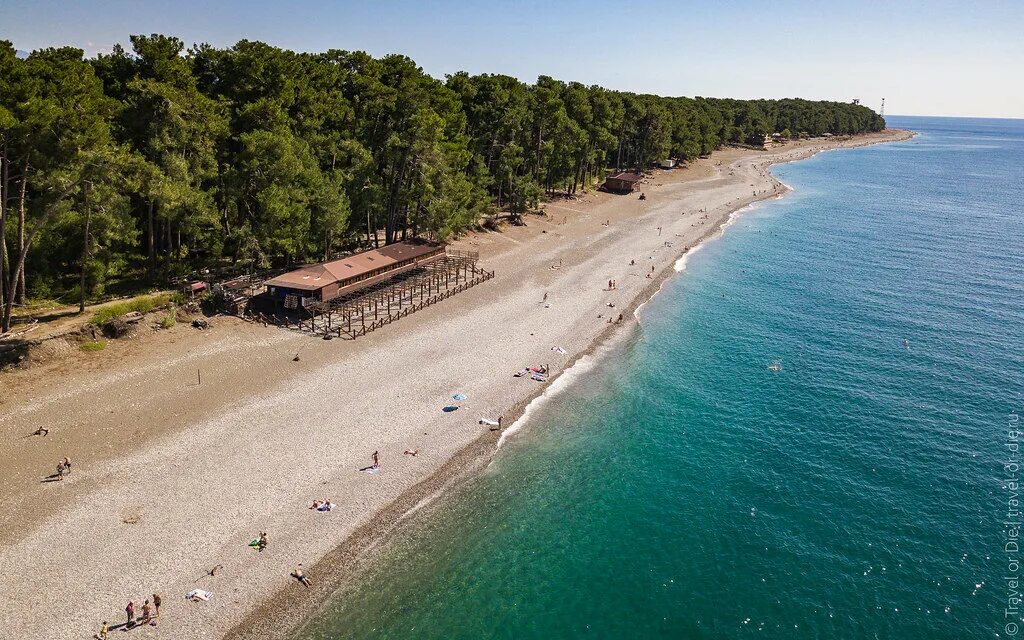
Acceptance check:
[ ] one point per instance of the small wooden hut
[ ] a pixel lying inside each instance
(623, 182)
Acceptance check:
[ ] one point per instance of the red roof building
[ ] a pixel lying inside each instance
(622, 182)
(328, 280)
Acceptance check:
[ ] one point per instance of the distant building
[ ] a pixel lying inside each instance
(759, 140)
(623, 182)
(667, 164)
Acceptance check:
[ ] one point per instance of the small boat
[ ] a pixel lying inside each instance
(776, 365)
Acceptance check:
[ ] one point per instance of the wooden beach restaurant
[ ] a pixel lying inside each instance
(326, 281)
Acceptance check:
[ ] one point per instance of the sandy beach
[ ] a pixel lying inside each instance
(173, 476)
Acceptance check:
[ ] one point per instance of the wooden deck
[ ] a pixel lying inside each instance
(361, 312)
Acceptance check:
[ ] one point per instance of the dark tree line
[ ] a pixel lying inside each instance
(143, 165)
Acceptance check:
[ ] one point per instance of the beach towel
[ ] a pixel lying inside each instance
(326, 507)
(370, 469)
(198, 594)
(459, 397)
(490, 423)
(559, 350)
(539, 377)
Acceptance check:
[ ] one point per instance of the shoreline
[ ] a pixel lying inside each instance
(174, 476)
(288, 611)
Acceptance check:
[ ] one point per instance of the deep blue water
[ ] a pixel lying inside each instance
(684, 490)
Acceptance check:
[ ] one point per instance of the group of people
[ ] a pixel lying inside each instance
(322, 505)
(612, 285)
(150, 612)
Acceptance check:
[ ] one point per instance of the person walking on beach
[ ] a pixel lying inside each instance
(129, 612)
(63, 468)
(104, 630)
(147, 612)
(376, 461)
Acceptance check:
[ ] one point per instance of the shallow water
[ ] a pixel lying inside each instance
(682, 489)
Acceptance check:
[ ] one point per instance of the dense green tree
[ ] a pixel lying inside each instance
(112, 167)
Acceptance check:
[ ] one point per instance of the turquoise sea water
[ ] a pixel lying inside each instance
(684, 490)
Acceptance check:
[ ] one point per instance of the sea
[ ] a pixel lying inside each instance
(812, 433)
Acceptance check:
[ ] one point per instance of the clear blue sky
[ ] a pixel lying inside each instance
(925, 58)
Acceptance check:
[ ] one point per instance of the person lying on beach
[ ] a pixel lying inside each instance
(41, 431)
(299, 575)
(316, 504)
(520, 374)
(411, 452)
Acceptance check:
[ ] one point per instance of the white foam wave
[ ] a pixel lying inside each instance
(560, 384)
(680, 264)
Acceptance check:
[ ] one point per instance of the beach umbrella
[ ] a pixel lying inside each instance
(449, 408)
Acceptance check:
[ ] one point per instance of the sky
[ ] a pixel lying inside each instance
(924, 58)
